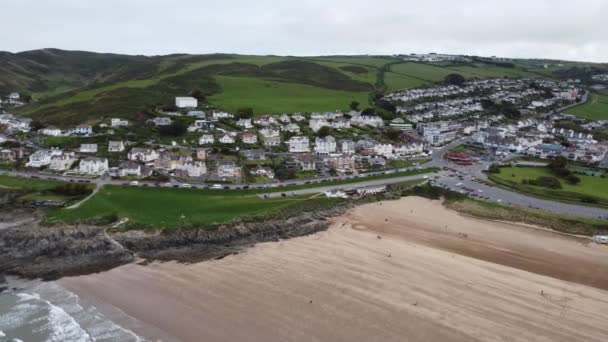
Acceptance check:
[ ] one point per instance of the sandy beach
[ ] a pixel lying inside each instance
(407, 270)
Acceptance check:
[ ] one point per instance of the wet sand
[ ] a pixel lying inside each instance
(407, 270)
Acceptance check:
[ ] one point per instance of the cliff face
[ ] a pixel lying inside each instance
(51, 253)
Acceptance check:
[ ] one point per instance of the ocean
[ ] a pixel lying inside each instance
(35, 311)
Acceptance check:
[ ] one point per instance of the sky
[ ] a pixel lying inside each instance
(556, 29)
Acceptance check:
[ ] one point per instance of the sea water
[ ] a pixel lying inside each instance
(45, 311)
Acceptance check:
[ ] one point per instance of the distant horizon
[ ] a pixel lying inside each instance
(522, 29)
(303, 55)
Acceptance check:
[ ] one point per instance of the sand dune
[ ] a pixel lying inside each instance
(433, 275)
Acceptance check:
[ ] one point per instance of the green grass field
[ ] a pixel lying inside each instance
(596, 108)
(266, 96)
(595, 187)
(395, 82)
(26, 183)
(162, 207)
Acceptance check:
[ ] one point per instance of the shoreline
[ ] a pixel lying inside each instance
(409, 269)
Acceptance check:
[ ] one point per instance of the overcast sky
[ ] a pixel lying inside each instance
(560, 29)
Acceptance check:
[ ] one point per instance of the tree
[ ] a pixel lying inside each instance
(393, 134)
(494, 168)
(36, 125)
(455, 79)
(175, 129)
(333, 172)
(324, 131)
(386, 105)
(244, 113)
(368, 111)
(198, 94)
(354, 105)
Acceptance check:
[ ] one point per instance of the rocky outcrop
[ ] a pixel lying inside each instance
(50, 253)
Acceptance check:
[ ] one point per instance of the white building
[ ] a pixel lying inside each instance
(51, 131)
(186, 102)
(88, 148)
(245, 123)
(116, 146)
(226, 139)
(206, 139)
(62, 162)
(385, 150)
(292, 128)
(116, 122)
(325, 146)
(93, 166)
(82, 130)
(272, 141)
(192, 169)
(227, 169)
(130, 169)
(317, 124)
(42, 158)
(299, 144)
(410, 149)
(347, 147)
(249, 138)
(142, 154)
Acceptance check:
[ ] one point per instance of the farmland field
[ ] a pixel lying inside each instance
(596, 108)
(266, 96)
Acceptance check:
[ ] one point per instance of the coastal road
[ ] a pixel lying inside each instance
(351, 186)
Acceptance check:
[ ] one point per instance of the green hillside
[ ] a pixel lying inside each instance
(596, 107)
(71, 87)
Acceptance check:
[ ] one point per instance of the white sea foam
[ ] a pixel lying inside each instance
(2, 334)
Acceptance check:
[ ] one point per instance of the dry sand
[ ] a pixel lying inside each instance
(433, 275)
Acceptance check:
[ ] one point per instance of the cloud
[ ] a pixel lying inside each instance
(518, 28)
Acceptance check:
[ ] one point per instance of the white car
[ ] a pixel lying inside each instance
(185, 186)
(216, 186)
(134, 183)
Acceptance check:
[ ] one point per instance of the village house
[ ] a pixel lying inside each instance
(117, 122)
(385, 150)
(254, 154)
(371, 190)
(93, 166)
(82, 130)
(169, 161)
(197, 114)
(317, 124)
(343, 164)
(42, 158)
(261, 171)
(227, 169)
(347, 147)
(245, 123)
(116, 146)
(88, 148)
(298, 117)
(7, 155)
(62, 162)
(221, 115)
(249, 138)
(144, 155)
(201, 153)
(265, 121)
(272, 141)
(206, 139)
(186, 102)
(191, 169)
(51, 131)
(199, 125)
(299, 144)
(161, 121)
(304, 162)
(367, 120)
(292, 128)
(340, 124)
(226, 139)
(268, 132)
(325, 145)
(284, 118)
(408, 149)
(133, 169)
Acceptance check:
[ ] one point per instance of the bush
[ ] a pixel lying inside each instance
(547, 182)
(589, 199)
(494, 168)
(572, 179)
(71, 190)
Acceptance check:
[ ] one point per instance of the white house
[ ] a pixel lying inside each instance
(267, 132)
(42, 158)
(62, 162)
(142, 154)
(226, 139)
(222, 115)
(82, 130)
(206, 139)
(88, 148)
(272, 141)
(249, 138)
(292, 128)
(245, 123)
(325, 146)
(284, 118)
(51, 131)
(385, 150)
(299, 144)
(227, 169)
(192, 169)
(93, 166)
(116, 122)
(161, 121)
(347, 147)
(116, 146)
(263, 172)
(130, 169)
(317, 124)
(408, 149)
(186, 102)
